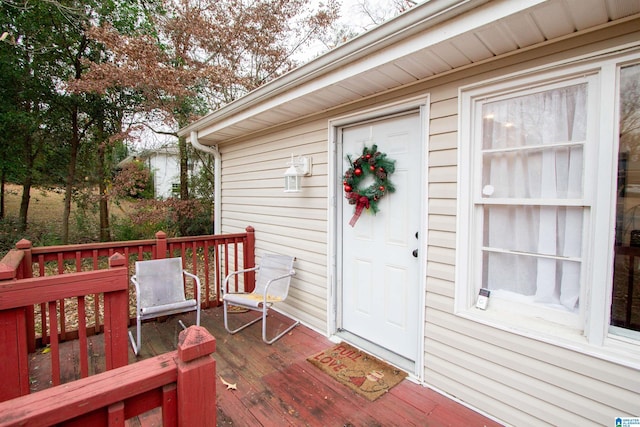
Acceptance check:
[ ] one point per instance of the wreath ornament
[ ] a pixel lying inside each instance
(371, 163)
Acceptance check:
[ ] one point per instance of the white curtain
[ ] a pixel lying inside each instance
(529, 154)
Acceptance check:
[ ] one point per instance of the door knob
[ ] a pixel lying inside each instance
(415, 253)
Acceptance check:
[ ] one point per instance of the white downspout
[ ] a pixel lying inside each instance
(217, 214)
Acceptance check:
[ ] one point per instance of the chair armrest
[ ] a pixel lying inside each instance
(266, 288)
(223, 288)
(134, 280)
(197, 280)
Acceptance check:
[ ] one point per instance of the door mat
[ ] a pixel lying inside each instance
(361, 372)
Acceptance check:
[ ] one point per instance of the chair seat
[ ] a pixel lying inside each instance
(250, 300)
(169, 307)
(271, 286)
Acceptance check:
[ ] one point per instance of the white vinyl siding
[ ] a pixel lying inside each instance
(442, 178)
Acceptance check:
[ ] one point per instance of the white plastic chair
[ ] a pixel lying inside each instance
(160, 292)
(273, 276)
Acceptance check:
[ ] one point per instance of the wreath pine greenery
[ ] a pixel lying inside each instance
(371, 163)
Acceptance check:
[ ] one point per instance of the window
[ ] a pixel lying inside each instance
(532, 183)
(544, 224)
(625, 306)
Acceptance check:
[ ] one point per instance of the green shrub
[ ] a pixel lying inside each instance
(38, 234)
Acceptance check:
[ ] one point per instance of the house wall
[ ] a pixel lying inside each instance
(519, 380)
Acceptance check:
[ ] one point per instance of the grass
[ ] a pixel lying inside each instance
(44, 219)
(45, 206)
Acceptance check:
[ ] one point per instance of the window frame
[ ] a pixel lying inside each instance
(602, 73)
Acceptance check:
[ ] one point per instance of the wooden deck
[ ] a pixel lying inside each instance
(276, 385)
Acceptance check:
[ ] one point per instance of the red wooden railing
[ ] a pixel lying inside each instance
(17, 299)
(625, 284)
(210, 257)
(181, 383)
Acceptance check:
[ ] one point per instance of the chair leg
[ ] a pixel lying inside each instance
(133, 344)
(263, 317)
(226, 321)
(136, 345)
(197, 320)
(277, 337)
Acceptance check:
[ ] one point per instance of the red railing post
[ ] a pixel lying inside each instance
(249, 260)
(196, 378)
(161, 245)
(26, 272)
(14, 358)
(26, 266)
(17, 332)
(116, 318)
(17, 328)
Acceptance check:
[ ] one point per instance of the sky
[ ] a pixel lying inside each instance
(352, 11)
(353, 16)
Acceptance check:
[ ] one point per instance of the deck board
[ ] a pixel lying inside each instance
(275, 383)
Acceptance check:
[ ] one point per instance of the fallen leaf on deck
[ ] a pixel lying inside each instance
(228, 384)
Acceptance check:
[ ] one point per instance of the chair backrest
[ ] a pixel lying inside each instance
(272, 266)
(161, 281)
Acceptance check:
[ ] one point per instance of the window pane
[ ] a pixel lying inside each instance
(553, 173)
(542, 230)
(549, 117)
(552, 282)
(532, 234)
(625, 309)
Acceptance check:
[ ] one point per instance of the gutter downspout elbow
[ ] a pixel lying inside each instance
(217, 214)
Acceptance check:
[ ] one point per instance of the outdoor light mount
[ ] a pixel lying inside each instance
(298, 167)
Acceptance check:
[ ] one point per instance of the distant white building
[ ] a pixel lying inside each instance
(164, 163)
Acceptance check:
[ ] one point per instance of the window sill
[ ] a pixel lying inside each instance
(624, 352)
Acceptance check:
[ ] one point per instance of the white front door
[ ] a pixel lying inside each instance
(379, 297)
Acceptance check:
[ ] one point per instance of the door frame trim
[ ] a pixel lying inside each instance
(420, 103)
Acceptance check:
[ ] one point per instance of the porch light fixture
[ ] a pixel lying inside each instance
(298, 167)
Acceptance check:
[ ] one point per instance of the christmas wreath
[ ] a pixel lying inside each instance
(371, 163)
